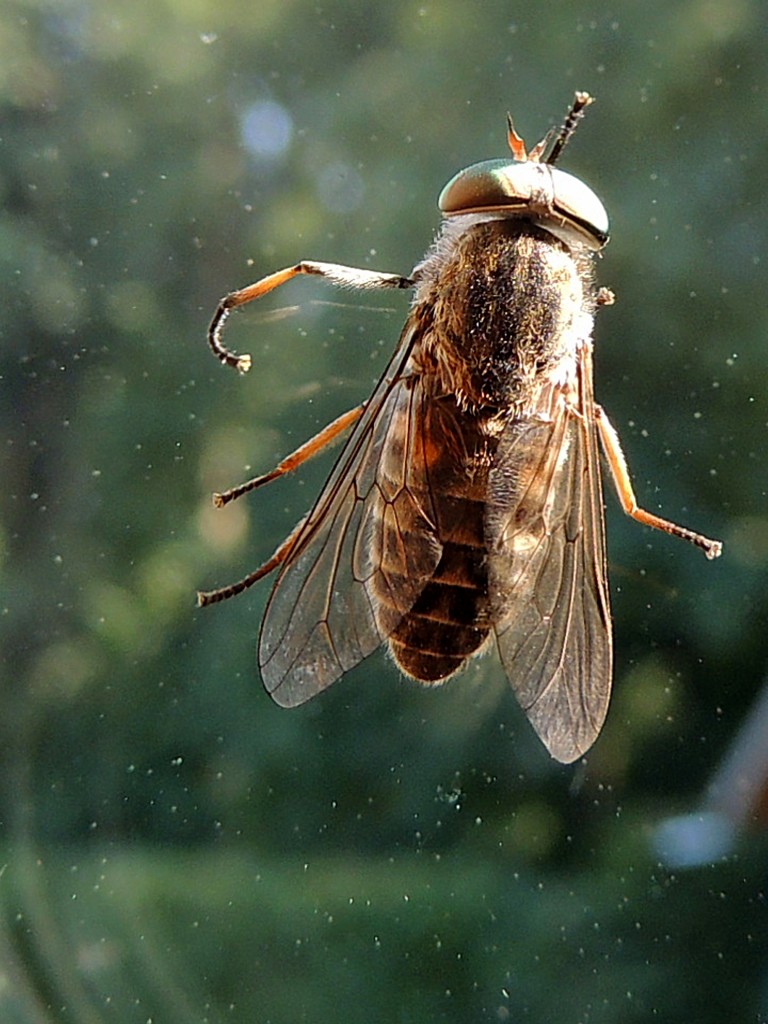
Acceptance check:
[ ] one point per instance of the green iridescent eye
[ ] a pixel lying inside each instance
(549, 197)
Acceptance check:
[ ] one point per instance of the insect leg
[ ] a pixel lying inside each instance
(306, 451)
(345, 277)
(620, 473)
(206, 597)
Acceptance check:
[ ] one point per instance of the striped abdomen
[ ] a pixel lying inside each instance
(447, 459)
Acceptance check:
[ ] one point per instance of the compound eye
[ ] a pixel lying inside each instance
(549, 197)
(579, 204)
(489, 185)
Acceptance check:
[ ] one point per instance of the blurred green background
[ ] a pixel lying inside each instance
(176, 848)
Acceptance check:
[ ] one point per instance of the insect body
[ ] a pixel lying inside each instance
(466, 504)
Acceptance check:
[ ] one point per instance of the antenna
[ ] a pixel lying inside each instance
(580, 102)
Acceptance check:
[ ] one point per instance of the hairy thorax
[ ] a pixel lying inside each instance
(503, 308)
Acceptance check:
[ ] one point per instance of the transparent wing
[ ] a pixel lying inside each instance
(547, 575)
(364, 551)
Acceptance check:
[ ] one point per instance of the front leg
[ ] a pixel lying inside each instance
(336, 273)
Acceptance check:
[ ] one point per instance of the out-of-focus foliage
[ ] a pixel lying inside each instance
(176, 848)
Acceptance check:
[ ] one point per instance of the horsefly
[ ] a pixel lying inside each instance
(466, 505)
